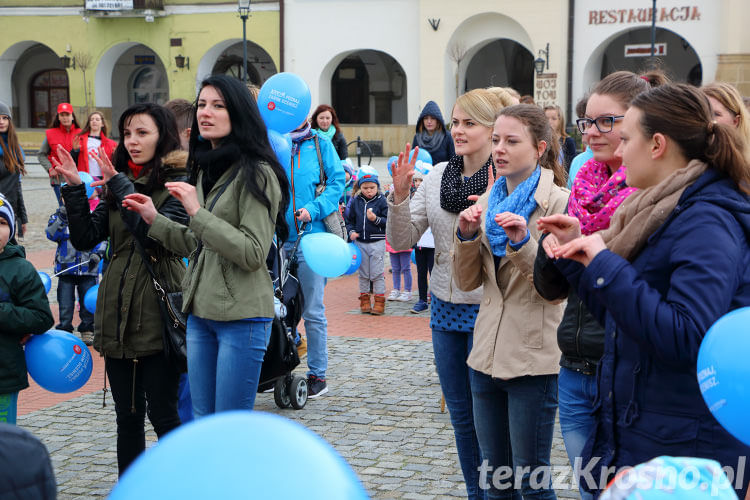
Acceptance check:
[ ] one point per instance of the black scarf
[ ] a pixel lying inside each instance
(431, 142)
(214, 162)
(454, 189)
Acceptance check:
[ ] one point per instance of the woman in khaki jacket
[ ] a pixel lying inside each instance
(236, 200)
(514, 359)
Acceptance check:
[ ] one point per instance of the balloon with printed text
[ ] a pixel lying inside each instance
(356, 258)
(284, 102)
(58, 361)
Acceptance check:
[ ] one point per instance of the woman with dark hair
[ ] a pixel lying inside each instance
(236, 199)
(128, 322)
(88, 141)
(12, 168)
(674, 260)
(431, 134)
(514, 360)
(62, 132)
(326, 123)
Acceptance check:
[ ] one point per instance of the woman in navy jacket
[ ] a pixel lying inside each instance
(431, 134)
(674, 260)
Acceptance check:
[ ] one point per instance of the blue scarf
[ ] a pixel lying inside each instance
(520, 202)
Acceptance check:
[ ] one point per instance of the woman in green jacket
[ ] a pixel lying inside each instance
(128, 325)
(236, 200)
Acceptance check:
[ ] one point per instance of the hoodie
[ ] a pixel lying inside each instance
(440, 150)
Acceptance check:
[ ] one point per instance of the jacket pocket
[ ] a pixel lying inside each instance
(532, 334)
(228, 274)
(659, 433)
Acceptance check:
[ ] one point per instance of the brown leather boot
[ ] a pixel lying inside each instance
(379, 307)
(364, 303)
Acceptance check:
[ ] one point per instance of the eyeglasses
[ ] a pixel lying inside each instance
(603, 124)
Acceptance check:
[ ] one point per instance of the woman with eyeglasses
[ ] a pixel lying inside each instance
(598, 189)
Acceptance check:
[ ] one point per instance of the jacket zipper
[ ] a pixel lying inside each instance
(578, 329)
(364, 222)
(294, 197)
(119, 294)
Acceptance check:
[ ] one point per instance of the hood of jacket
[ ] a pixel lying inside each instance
(12, 250)
(430, 109)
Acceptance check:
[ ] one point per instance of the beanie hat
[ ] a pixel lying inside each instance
(367, 174)
(64, 107)
(5, 110)
(6, 212)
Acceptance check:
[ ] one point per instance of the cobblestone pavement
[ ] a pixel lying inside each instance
(382, 412)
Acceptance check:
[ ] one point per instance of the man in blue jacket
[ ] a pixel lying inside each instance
(310, 154)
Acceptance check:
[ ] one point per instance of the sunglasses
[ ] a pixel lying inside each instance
(603, 124)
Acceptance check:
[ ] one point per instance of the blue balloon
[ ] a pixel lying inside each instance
(284, 102)
(414, 256)
(391, 162)
(724, 373)
(423, 155)
(239, 454)
(186, 261)
(282, 146)
(89, 300)
(87, 180)
(46, 281)
(326, 254)
(58, 361)
(356, 258)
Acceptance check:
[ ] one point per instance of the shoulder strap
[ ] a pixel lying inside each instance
(322, 185)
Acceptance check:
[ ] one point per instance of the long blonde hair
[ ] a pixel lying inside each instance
(481, 105)
(731, 99)
(560, 120)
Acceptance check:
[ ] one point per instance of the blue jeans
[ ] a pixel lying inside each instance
(314, 315)
(515, 419)
(224, 361)
(184, 401)
(577, 393)
(451, 350)
(66, 300)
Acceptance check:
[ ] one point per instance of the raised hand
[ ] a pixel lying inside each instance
(469, 221)
(402, 173)
(550, 244)
(105, 165)
(490, 183)
(142, 204)
(582, 250)
(514, 225)
(564, 227)
(64, 165)
(186, 194)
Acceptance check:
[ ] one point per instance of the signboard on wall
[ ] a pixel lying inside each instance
(644, 49)
(545, 89)
(109, 4)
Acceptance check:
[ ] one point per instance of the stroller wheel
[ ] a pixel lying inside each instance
(281, 395)
(298, 392)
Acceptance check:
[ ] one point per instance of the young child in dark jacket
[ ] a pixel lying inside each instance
(79, 269)
(365, 223)
(24, 310)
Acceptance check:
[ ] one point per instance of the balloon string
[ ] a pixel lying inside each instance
(69, 268)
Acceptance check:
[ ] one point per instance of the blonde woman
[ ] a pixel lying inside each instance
(439, 199)
(556, 120)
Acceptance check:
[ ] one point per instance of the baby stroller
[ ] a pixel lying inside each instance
(281, 355)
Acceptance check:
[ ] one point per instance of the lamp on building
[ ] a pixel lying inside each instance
(540, 64)
(244, 8)
(181, 61)
(67, 62)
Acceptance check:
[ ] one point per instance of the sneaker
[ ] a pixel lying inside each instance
(405, 296)
(316, 387)
(420, 306)
(87, 337)
(394, 295)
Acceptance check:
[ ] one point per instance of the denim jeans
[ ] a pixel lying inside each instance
(314, 315)
(515, 419)
(66, 299)
(184, 401)
(224, 361)
(577, 393)
(401, 264)
(451, 350)
(146, 386)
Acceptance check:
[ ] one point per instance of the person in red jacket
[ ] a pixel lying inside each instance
(93, 135)
(62, 131)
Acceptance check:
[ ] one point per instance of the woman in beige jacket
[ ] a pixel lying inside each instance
(514, 359)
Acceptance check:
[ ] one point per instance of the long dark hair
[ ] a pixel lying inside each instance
(683, 113)
(334, 118)
(12, 154)
(169, 140)
(56, 121)
(250, 135)
(538, 126)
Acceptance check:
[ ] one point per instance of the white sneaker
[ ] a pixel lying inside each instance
(404, 296)
(394, 295)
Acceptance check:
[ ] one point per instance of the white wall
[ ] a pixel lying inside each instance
(591, 40)
(319, 34)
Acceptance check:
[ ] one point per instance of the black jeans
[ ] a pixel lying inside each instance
(146, 385)
(66, 300)
(424, 257)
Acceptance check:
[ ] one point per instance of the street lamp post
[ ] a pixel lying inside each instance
(653, 31)
(244, 8)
